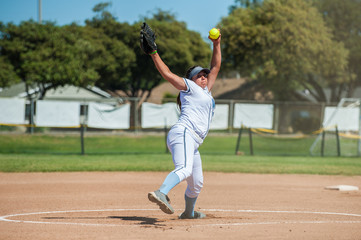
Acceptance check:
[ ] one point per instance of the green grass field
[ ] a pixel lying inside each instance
(51, 153)
(214, 144)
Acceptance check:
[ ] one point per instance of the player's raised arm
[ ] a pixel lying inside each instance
(148, 45)
(216, 59)
(163, 69)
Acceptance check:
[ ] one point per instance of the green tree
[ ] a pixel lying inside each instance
(344, 19)
(45, 56)
(245, 4)
(110, 57)
(116, 71)
(180, 48)
(286, 46)
(7, 73)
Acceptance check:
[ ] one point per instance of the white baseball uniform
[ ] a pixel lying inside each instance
(188, 134)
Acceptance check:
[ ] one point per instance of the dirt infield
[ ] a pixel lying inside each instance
(114, 205)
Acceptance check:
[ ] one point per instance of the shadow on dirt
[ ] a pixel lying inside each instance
(142, 220)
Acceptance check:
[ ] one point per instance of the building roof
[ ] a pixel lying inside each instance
(66, 92)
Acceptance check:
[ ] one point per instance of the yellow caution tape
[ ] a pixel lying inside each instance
(348, 135)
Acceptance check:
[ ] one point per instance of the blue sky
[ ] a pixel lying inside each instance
(200, 15)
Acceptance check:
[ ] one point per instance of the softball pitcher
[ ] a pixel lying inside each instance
(197, 108)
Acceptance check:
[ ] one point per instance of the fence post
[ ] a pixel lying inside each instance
(323, 142)
(230, 116)
(276, 111)
(359, 134)
(250, 140)
(238, 139)
(338, 142)
(82, 139)
(31, 117)
(136, 117)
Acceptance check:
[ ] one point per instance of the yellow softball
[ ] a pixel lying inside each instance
(214, 33)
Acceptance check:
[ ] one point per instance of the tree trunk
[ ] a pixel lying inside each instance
(321, 97)
(350, 89)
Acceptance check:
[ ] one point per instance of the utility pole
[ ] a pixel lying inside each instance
(39, 11)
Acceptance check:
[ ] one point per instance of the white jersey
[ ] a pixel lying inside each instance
(197, 108)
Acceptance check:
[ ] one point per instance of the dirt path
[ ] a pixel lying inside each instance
(114, 205)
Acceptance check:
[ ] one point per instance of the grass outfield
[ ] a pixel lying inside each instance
(214, 144)
(163, 162)
(48, 153)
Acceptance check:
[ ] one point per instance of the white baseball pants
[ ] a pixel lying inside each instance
(186, 158)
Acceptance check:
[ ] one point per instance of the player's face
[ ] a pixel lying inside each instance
(201, 79)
